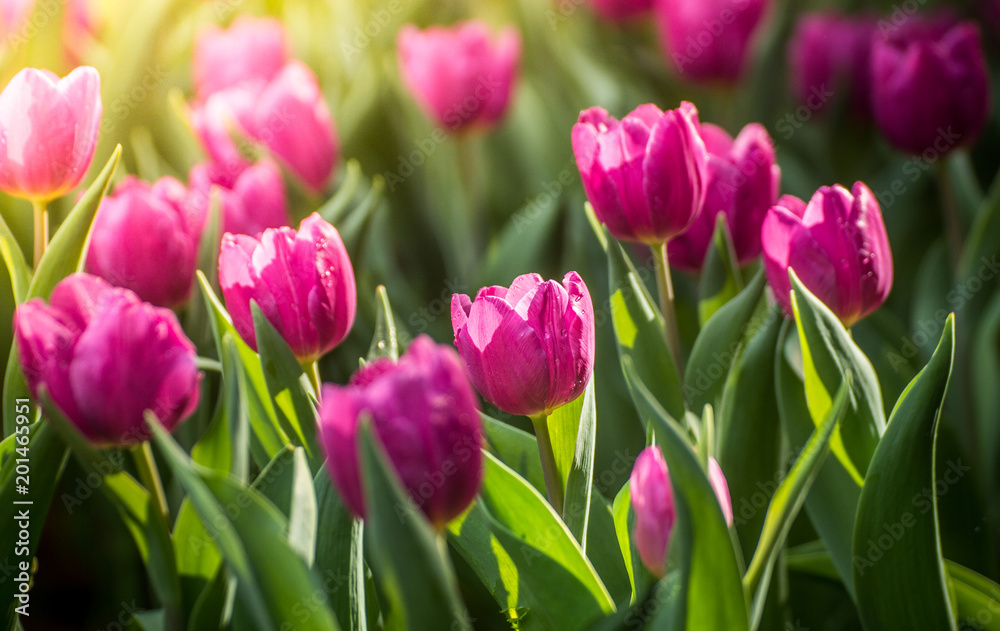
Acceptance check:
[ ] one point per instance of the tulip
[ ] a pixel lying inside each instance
(287, 116)
(250, 50)
(458, 75)
(709, 39)
(930, 87)
(742, 184)
(622, 10)
(645, 175)
(837, 246)
(145, 238)
(548, 327)
(829, 53)
(48, 128)
(427, 418)
(104, 357)
(652, 498)
(302, 281)
(253, 199)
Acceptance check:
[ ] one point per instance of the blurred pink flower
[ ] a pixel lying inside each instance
(251, 50)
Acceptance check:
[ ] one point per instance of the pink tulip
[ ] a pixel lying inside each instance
(548, 327)
(251, 50)
(253, 199)
(48, 131)
(837, 246)
(645, 176)
(459, 75)
(302, 281)
(427, 418)
(742, 184)
(145, 238)
(104, 357)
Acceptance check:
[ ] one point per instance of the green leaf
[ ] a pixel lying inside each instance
(717, 346)
(416, 578)
(639, 577)
(287, 482)
(521, 241)
(353, 226)
(385, 343)
(700, 545)
(976, 598)
(211, 238)
(579, 479)
(337, 206)
(898, 569)
(13, 258)
(340, 558)
(639, 330)
(515, 448)
(607, 558)
(720, 275)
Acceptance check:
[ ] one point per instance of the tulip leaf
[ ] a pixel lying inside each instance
(272, 578)
(521, 243)
(828, 355)
(214, 450)
(353, 226)
(515, 448)
(902, 582)
(985, 367)
(288, 483)
(717, 346)
(639, 577)
(579, 477)
(417, 579)
(720, 274)
(17, 267)
(975, 595)
(336, 207)
(211, 239)
(712, 594)
(639, 330)
(198, 560)
(287, 385)
(385, 343)
(340, 560)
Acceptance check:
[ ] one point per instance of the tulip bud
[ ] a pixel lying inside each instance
(427, 418)
(645, 175)
(709, 40)
(48, 131)
(250, 50)
(930, 87)
(145, 238)
(742, 184)
(652, 499)
(622, 10)
(302, 281)
(104, 357)
(459, 75)
(253, 199)
(837, 246)
(548, 327)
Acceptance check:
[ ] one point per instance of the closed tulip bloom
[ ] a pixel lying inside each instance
(48, 131)
(548, 327)
(145, 238)
(644, 175)
(302, 281)
(837, 246)
(253, 199)
(742, 184)
(622, 10)
(721, 488)
(930, 88)
(427, 418)
(104, 357)
(709, 40)
(250, 50)
(459, 75)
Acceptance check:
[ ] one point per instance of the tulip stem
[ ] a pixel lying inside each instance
(553, 482)
(150, 476)
(950, 214)
(41, 214)
(666, 289)
(312, 372)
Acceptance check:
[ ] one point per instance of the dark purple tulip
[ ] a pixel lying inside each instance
(930, 87)
(743, 181)
(253, 199)
(427, 417)
(105, 357)
(837, 246)
(547, 327)
(645, 175)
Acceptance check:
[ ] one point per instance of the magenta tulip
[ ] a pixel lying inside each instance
(622, 10)
(837, 246)
(645, 175)
(459, 75)
(930, 87)
(104, 357)
(302, 281)
(742, 184)
(49, 129)
(251, 50)
(709, 40)
(548, 327)
(253, 199)
(145, 238)
(427, 418)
